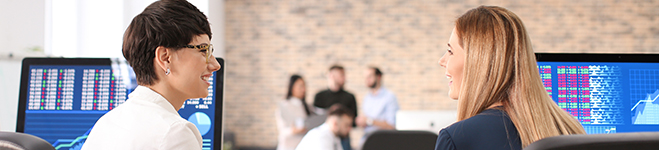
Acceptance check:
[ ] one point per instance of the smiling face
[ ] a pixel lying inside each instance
(453, 62)
(190, 71)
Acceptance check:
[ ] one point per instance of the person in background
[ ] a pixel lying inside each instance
(291, 114)
(335, 94)
(327, 136)
(492, 72)
(168, 46)
(379, 105)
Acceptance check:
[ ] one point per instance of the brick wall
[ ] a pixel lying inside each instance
(268, 40)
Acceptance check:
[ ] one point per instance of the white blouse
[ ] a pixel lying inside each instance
(290, 113)
(146, 121)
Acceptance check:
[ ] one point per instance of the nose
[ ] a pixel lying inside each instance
(443, 60)
(213, 64)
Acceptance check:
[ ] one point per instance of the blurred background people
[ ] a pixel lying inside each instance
(327, 136)
(379, 105)
(335, 94)
(291, 114)
(492, 71)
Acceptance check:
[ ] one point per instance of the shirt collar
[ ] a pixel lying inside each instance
(380, 91)
(335, 92)
(144, 93)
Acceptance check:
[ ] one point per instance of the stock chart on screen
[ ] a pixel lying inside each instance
(605, 97)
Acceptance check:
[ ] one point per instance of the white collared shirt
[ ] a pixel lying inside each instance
(145, 121)
(320, 138)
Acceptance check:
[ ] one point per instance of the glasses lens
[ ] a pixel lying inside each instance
(209, 52)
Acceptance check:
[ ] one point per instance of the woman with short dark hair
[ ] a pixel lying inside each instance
(168, 45)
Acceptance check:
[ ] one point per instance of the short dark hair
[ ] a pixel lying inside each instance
(168, 23)
(376, 71)
(340, 110)
(338, 67)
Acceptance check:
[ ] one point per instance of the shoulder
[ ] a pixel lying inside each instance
(322, 92)
(390, 95)
(320, 135)
(482, 122)
(282, 102)
(182, 135)
(444, 141)
(491, 129)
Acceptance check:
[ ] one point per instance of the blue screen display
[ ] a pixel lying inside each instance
(605, 97)
(64, 102)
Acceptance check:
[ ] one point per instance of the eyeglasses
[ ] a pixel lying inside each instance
(207, 48)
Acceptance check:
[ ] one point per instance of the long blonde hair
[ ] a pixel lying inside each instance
(500, 66)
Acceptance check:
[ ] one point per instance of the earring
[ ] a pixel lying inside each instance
(168, 71)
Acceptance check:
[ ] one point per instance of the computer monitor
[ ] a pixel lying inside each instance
(62, 98)
(607, 93)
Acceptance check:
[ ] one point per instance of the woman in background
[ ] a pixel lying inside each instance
(291, 114)
(502, 103)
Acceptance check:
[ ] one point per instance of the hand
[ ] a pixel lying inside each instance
(297, 130)
(361, 121)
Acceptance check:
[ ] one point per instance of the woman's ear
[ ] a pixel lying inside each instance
(162, 59)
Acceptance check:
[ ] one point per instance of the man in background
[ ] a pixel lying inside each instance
(327, 136)
(379, 106)
(335, 94)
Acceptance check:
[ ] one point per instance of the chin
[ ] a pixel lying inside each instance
(202, 95)
(453, 96)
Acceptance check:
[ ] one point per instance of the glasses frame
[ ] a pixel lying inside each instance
(208, 47)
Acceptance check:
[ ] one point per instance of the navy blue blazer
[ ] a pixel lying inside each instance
(491, 129)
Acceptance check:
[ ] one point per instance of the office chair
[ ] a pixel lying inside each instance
(22, 141)
(618, 141)
(398, 140)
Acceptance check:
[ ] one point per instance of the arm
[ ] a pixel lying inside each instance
(284, 126)
(353, 106)
(389, 120)
(390, 115)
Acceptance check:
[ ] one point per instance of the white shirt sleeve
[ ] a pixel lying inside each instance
(180, 136)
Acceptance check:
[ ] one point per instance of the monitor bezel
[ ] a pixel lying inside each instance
(595, 57)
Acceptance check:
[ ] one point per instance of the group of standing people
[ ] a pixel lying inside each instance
(379, 111)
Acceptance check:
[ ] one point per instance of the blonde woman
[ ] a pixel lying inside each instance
(492, 72)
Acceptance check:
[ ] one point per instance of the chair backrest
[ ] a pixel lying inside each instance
(24, 141)
(397, 140)
(618, 141)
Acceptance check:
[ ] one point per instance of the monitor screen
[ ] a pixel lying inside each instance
(606, 93)
(62, 98)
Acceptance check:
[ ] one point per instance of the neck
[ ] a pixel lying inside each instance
(375, 89)
(334, 88)
(171, 95)
(495, 105)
